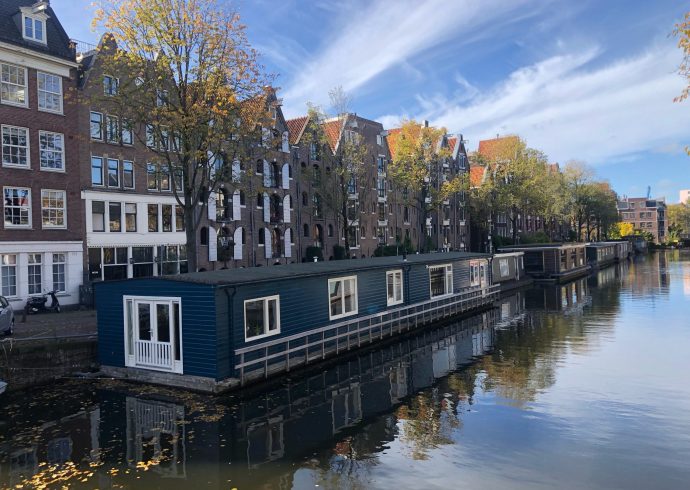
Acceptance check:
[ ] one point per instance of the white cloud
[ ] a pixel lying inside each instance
(571, 111)
(384, 34)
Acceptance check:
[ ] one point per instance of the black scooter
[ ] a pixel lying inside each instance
(38, 303)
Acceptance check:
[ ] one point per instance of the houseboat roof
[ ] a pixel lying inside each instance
(540, 246)
(289, 271)
(604, 244)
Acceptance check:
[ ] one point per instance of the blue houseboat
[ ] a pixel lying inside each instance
(553, 262)
(215, 330)
(508, 270)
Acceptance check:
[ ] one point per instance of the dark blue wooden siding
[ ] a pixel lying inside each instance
(199, 322)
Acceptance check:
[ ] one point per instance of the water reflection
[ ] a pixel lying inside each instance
(456, 397)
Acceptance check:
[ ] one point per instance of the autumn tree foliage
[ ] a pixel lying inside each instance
(417, 169)
(682, 32)
(191, 87)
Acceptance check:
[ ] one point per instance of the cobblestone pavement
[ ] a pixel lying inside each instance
(54, 325)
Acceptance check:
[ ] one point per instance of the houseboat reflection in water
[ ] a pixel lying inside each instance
(186, 437)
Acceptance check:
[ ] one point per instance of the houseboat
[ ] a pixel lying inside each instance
(212, 331)
(624, 250)
(601, 254)
(552, 262)
(508, 270)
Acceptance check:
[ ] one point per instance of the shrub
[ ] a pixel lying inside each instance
(314, 252)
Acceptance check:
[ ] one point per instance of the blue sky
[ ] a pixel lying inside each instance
(588, 80)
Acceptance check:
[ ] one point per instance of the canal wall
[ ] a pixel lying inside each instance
(28, 362)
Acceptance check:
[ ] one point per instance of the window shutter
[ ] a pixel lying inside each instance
(288, 243)
(286, 143)
(267, 243)
(286, 176)
(236, 210)
(237, 238)
(212, 207)
(286, 209)
(267, 174)
(212, 245)
(236, 172)
(267, 209)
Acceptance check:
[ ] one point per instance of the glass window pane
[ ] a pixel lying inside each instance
(335, 295)
(144, 317)
(272, 314)
(350, 299)
(176, 330)
(254, 318)
(163, 322)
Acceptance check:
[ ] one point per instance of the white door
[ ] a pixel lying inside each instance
(156, 330)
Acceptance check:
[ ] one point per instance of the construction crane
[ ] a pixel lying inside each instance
(649, 192)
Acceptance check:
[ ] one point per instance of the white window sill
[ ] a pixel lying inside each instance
(57, 170)
(395, 303)
(48, 111)
(18, 167)
(15, 104)
(263, 336)
(18, 227)
(44, 227)
(342, 315)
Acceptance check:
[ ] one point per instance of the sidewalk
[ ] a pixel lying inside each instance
(54, 325)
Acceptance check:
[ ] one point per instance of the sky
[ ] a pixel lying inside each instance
(589, 80)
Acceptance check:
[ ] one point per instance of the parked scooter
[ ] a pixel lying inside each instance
(39, 303)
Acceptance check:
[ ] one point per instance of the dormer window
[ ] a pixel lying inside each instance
(110, 85)
(34, 29)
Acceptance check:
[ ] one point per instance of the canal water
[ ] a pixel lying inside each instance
(585, 385)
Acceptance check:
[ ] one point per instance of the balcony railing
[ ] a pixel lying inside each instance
(151, 354)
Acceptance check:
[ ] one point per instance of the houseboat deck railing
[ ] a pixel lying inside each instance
(153, 354)
(284, 353)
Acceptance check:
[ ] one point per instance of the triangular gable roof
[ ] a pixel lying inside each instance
(452, 142)
(491, 149)
(296, 127)
(332, 130)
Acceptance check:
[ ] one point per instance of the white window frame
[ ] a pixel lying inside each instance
(63, 272)
(475, 278)
(27, 226)
(152, 301)
(117, 172)
(34, 21)
(112, 137)
(356, 295)
(15, 275)
(48, 92)
(265, 300)
(117, 86)
(447, 279)
(397, 275)
(61, 152)
(49, 208)
(25, 86)
(123, 175)
(27, 147)
(503, 267)
(126, 128)
(36, 266)
(101, 126)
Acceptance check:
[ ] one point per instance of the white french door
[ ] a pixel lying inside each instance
(153, 334)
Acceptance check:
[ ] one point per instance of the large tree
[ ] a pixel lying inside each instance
(416, 169)
(191, 87)
(682, 32)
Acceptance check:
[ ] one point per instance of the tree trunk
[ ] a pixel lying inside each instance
(191, 226)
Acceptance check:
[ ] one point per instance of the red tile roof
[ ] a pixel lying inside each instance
(296, 128)
(452, 141)
(477, 175)
(332, 130)
(492, 149)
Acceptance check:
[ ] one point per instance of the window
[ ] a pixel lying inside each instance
(475, 279)
(261, 317)
(162, 98)
(110, 85)
(34, 273)
(150, 136)
(96, 126)
(15, 146)
(51, 150)
(13, 85)
(8, 275)
(179, 218)
(113, 172)
(167, 217)
(98, 216)
(381, 186)
(96, 170)
(115, 210)
(165, 177)
(49, 92)
(441, 280)
(127, 133)
(342, 297)
(143, 261)
(130, 217)
(153, 217)
(381, 165)
(128, 174)
(173, 259)
(53, 208)
(59, 272)
(112, 133)
(17, 207)
(114, 263)
(33, 29)
(504, 269)
(151, 177)
(394, 287)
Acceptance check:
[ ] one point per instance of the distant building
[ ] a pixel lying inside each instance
(645, 215)
(684, 196)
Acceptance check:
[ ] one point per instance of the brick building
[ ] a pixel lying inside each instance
(41, 235)
(645, 215)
